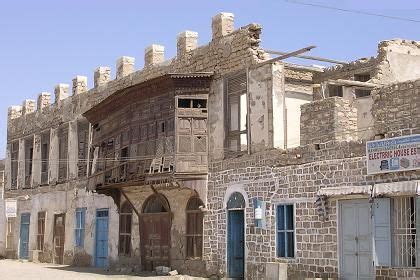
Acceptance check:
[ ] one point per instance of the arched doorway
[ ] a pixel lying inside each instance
(236, 236)
(155, 228)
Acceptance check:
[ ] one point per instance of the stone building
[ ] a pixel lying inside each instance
(320, 210)
(219, 162)
(117, 175)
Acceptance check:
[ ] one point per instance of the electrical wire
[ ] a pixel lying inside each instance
(317, 5)
(150, 157)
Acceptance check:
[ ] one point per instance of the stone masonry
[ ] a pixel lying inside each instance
(328, 119)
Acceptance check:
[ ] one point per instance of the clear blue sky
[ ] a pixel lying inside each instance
(43, 43)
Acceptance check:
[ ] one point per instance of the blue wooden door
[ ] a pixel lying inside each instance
(101, 238)
(24, 236)
(236, 244)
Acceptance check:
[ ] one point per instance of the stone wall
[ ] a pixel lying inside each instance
(396, 109)
(328, 119)
(278, 177)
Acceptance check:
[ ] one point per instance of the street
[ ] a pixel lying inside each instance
(15, 270)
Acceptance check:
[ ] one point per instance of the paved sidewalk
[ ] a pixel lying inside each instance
(16, 270)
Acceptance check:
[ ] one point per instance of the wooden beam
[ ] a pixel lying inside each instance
(318, 58)
(287, 55)
(351, 83)
(129, 201)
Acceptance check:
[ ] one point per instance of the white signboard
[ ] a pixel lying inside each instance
(11, 208)
(393, 155)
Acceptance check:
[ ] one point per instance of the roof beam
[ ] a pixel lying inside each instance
(351, 83)
(287, 55)
(309, 57)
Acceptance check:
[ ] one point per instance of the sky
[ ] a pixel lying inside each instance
(43, 43)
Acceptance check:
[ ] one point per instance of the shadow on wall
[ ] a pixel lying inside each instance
(98, 271)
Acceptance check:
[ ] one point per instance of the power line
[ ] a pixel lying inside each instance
(351, 11)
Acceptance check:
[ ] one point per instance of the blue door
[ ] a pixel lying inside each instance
(24, 236)
(101, 238)
(236, 244)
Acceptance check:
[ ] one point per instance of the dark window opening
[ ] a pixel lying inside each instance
(45, 151)
(362, 77)
(199, 103)
(126, 214)
(360, 92)
(194, 232)
(184, 103)
(334, 90)
(29, 151)
(285, 231)
(124, 154)
(154, 204)
(14, 164)
(236, 201)
(62, 153)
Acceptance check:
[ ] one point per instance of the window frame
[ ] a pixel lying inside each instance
(79, 228)
(40, 235)
(126, 236)
(198, 216)
(45, 153)
(398, 258)
(63, 153)
(14, 166)
(236, 134)
(277, 206)
(10, 237)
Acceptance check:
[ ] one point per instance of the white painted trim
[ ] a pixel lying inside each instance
(235, 188)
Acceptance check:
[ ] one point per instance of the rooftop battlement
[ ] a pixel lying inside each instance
(229, 50)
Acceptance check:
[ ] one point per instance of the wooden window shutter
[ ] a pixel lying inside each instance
(382, 231)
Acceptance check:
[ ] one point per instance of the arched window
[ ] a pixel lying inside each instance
(194, 232)
(154, 204)
(236, 201)
(126, 215)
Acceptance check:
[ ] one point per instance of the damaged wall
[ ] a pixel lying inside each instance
(396, 109)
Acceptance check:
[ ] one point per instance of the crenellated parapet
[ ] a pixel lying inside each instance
(384, 68)
(228, 51)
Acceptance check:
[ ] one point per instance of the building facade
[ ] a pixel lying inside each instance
(116, 176)
(219, 162)
(316, 210)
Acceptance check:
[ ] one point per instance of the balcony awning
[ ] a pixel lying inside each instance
(391, 189)
(397, 188)
(345, 190)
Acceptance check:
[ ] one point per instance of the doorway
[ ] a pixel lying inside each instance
(236, 236)
(356, 240)
(101, 237)
(155, 228)
(58, 237)
(24, 235)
